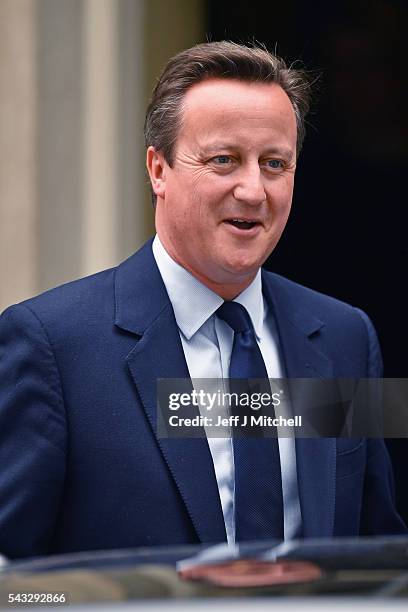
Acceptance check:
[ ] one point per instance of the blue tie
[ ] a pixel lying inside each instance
(258, 483)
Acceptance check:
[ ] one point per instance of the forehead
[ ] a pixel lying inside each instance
(218, 105)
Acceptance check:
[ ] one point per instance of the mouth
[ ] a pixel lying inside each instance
(243, 224)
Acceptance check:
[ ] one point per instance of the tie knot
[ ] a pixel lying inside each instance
(235, 315)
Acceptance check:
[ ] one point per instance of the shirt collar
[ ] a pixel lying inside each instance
(194, 303)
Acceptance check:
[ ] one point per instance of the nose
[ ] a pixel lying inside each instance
(249, 187)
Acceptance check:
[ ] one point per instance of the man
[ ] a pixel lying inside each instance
(82, 466)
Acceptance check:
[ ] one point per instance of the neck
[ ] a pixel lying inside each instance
(227, 289)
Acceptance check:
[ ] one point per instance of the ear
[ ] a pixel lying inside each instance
(155, 164)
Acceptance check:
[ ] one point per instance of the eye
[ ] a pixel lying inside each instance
(275, 164)
(222, 160)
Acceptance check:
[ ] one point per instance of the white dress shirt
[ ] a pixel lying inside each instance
(207, 343)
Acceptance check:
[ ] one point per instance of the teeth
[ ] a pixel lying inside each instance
(243, 223)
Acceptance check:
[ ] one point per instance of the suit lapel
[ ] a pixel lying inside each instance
(143, 307)
(303, 357)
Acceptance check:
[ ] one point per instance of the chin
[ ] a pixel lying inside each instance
(246, 259)
(243, 266)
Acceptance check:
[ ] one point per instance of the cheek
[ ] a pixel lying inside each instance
(209, 190)
(189, 218)
(281, 197)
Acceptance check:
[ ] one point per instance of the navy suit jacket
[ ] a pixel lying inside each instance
(80, 465)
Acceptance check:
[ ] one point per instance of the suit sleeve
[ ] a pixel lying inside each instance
(379, 515)
(32, 435)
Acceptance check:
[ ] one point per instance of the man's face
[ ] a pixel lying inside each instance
(222, 207)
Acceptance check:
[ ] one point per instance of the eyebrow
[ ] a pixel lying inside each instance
(220, 146)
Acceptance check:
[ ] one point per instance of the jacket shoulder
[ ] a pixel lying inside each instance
(70, 303)
(304, 298)
(342, 327)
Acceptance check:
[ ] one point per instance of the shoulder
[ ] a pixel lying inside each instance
(343, 331)
(87, 309)
(94, 295)
(300, 300)
(68, 303)
(89, 295)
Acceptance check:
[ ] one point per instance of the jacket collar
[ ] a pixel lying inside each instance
(140, 295)
(298, 329)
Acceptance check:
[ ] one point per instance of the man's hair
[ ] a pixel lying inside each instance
(225, 60)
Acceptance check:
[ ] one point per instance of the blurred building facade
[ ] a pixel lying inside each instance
(75, 78)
